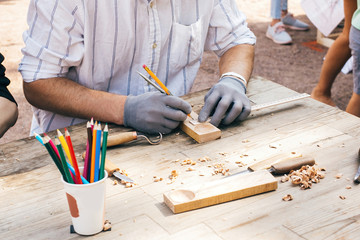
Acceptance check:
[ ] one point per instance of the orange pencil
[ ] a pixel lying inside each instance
(71, 149)
(92, 172)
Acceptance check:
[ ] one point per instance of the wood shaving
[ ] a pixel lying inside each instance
(240, 164)
(304, 177)
(107, 225)
(245, 141)
(174, 174)
(115, 182)
(287, 197)
(342, 197)
(348, 187)
(338, 176)
(219, 168)
(129, 185)
(157, 179)
(204, 159)
(190, 169)
(188, 162)
(223, 153)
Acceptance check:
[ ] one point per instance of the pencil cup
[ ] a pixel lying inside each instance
(87, 205)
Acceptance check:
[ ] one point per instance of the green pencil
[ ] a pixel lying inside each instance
(103, 152)
(53, 156)
(63, 161)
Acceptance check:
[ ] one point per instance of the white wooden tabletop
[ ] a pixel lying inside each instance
(33, 202)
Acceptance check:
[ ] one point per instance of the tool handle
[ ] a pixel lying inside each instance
(291, 164)
(119, 138)
(110, 167)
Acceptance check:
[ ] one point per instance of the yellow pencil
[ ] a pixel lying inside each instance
(160, 83)
(65, 146)
(157, 80)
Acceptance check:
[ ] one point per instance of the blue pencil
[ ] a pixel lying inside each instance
(84, 181)
(39, 138)
(97, 152)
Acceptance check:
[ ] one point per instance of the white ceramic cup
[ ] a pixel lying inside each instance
(87, 205)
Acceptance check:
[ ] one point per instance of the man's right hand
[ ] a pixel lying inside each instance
(155, 112)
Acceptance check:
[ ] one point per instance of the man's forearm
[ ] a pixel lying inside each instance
(63, 96)
(238, 59)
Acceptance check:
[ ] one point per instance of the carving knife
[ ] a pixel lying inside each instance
(357, 175)
(285, 166)
(112, 169)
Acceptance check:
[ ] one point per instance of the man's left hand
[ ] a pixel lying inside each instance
(227, 102)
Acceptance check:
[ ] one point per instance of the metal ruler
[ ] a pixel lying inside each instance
(278, 102)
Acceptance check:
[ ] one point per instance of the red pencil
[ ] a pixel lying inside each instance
(71, 149)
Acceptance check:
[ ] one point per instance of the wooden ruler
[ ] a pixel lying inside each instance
(280, 101)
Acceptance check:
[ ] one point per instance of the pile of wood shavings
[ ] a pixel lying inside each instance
(305, 176)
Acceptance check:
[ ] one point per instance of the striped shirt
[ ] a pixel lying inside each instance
(101, 44)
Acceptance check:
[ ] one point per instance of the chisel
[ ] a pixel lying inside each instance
(285, 166)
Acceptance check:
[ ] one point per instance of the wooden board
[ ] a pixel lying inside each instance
(200, 132)
(220, 191)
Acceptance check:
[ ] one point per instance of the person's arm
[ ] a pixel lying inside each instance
(226, 101)
(68, 98)
(238, 59)
(9, 114)
(151, 112)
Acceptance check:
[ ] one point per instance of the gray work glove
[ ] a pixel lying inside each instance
(155, 112)
(226, 102)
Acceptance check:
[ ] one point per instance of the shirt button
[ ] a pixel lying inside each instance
(154, 45)
(151, 4)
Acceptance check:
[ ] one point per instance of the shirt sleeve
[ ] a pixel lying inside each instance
(54, 39)
(4, 82)
(228, 27)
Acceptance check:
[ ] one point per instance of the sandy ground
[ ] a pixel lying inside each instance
(295, 66)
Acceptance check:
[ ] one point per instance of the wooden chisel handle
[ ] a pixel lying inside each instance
(291, 164)
(110, 167)
(119, 138)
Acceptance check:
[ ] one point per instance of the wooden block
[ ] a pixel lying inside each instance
(220, 191)
(200, 132)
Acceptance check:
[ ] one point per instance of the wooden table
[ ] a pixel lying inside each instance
(33, 203)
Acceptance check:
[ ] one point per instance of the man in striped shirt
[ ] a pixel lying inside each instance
(81, 60)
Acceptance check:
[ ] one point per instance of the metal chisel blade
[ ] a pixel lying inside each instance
(122, 177)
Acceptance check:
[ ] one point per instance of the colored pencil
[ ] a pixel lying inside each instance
(87, 163)
(72, 154)
(72, 171)
(52, 145)
(103, 152)
(65, 146)
(53, 156)
(92, 171)
(63, 161)
(97, 153)
(39, 138)
(157, 80)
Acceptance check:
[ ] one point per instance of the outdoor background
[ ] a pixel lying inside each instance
(295, 66)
